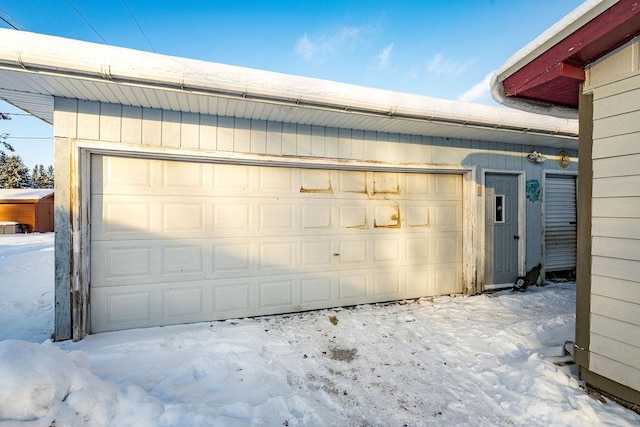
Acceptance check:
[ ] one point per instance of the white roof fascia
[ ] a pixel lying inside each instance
(39, 53)
(549, 38)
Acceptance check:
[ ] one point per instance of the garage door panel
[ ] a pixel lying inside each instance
(352, 288)
(276, 217)
(231, 179)
(387, 285)
(276, 256)
(417, 248)
(233, 298)
(183, 217)
(317, 216)
(276, 294)
(276, 180)
(232, 257)
(183, 303)
(316, 181)
(183, 176)
(122, 215)
(386, 183)
(317, 253)
(386, 215)
(352, 182)
(352, 251)
(200, 241)
(446, 187)
(231, 216)
(183, 259)
(117, 174)
(353, 216)
(447, 217)
(117, 308)
(115, 264)
(316, 290)
(386, 250)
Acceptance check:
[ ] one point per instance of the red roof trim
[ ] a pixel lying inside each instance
(603, 34)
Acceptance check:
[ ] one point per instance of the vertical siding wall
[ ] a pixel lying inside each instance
(135, 125)
(615, 274)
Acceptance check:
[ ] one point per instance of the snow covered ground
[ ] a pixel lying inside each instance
(437, 361)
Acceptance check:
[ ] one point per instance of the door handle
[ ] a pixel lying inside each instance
(516, 237)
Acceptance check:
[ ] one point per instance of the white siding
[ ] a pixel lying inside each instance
(615, 290)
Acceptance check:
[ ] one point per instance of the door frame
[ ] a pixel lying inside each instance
(73, 238)
(522, 229)
(543, 208)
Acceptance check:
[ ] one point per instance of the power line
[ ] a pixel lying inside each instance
(28, 137)
(13, 19)
(138, 24)
(9, 23)
(5, 116)
(87, 21)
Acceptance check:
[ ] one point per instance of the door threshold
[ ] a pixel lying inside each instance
(498, 287)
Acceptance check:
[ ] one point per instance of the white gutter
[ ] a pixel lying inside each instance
(68, 58)
(576, 19)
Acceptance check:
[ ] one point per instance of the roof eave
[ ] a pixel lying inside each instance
(546, 75)
(114, 73)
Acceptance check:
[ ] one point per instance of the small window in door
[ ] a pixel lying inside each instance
(499, 217)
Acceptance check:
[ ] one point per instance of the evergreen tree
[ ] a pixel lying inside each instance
(42, 178)
(14, 174)
(50, 177)
(4, 144)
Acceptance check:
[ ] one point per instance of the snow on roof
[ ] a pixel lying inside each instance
(24, 51)
(25, 193)
(561, 29)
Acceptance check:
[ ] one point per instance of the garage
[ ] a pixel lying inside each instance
(181, 241)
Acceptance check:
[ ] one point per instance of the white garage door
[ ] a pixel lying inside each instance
(175, 242)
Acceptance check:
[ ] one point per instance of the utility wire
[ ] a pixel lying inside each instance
(9, 23)
(87, 21)
(13, 19)
(138, 24)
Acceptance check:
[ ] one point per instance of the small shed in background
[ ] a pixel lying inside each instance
(32, 208)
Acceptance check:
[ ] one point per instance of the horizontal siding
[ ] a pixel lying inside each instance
(616, 125)
(623, 311)
(621, 207)
(616, 330)
(614, 370)
(620, 248)
(617, 186)
(615, 268)
(627, 84)
(624, 228)
(620, 351)
(621, 166)
(614, 327)
(619, 145)
(623, 290)
(134, 125)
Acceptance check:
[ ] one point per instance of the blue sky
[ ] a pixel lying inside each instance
(443, 49)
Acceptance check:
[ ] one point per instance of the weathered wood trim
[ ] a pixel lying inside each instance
(469, 233)
(621, 393)
(583, 261)
(179, 154)
(80, 242)
(62, 233)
